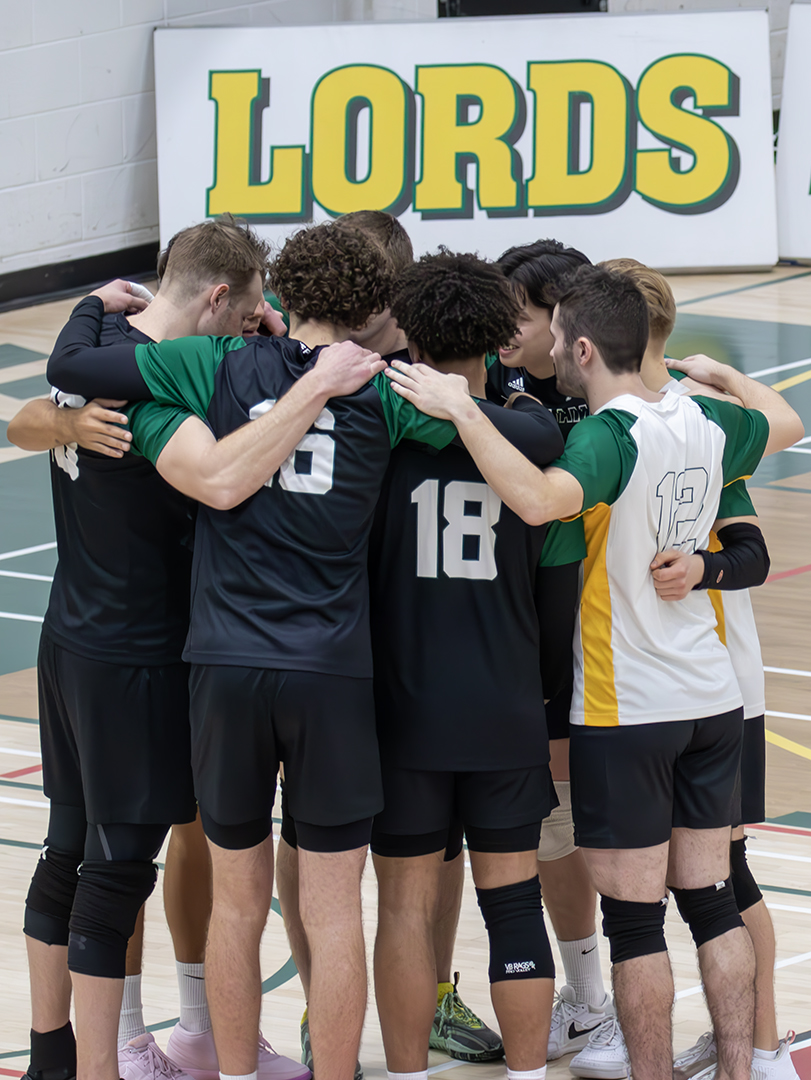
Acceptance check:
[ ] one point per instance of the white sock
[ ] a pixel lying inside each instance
(131, 1019)
(233, 1076)
(527, 1074)
(193, 1004)
(408, 1076)
(766, 1055)
(581, 963)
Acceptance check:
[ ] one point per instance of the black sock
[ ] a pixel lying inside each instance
(53, 1054)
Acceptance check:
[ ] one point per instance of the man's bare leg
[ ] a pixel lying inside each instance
(523, 1007)
(698, 859)
(569, 896)
(131, 1020)
(187, 891)
(50, 984)
(98, 1006)
(449, 904)
(643, 985)
(409, 891)
(287, 887)
(243, 883)
(761, 930)
(330, 905)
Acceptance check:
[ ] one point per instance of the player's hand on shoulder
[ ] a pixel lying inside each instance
(96, 426)
(344, 367)
(117, 296)
(701, 369)
(676, 573)
(433, 392)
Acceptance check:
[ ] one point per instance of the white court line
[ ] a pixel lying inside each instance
(27, 551)
(27, 577)
(780, 367)
(797, 450)
(21, 618)
(446, 1066)
(787, 671)
(788, 715)
(787, 907)
(777, 855)
(20, 753)
(691, 991)
(23, 802)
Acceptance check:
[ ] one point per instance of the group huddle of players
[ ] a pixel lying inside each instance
(327, 535)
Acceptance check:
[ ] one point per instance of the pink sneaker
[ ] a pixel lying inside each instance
(196, 1055)
(142, 1059)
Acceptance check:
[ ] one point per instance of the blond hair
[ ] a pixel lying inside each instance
(656, 291)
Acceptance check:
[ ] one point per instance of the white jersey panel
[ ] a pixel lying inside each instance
(738, 630)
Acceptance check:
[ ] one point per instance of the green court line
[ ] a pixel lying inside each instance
(783, 889)
(19, 843)
(779, 487)
(20, 719)
(743, 288)
(19, 784)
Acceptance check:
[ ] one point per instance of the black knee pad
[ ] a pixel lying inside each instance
(519, 945)
(108, 899)
(746, 890)
(633, 929)
(709, 912)
(50, 896)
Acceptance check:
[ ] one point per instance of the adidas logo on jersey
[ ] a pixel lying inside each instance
(520, 967)
(516, 384)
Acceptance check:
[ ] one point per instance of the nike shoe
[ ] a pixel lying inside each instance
(698, 1059)
(142, 1059)
(195, 1054)
(459, 1032)
(306, 1051)
(779, 1068)
(573, 1021)
(604, 1056)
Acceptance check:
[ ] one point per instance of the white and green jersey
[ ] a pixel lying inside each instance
(652, 475)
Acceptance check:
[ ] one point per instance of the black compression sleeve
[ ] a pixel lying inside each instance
(78, 365)
(529, 426)
(743, 563)
(556, 594)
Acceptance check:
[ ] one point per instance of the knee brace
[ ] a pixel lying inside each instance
(50, 896)
(519, 946)
(557, 831)
(108, 899)
(746, 890)
(633, 929)
(709, 912)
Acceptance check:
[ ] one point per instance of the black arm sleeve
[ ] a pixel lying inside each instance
(79, 366)
(529, 426)
(743, 563)
(556, 594)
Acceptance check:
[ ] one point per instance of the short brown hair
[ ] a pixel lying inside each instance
(654, 287)
(223, 250)
(388, 232)
(609, 310)
(334, 273)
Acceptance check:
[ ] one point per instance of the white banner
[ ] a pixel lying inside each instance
(645, 135)
(794, 141)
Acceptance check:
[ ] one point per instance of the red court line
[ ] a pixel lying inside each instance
(20, 772)
(788, 573)
(802, 1062)
(11, 1072)
(781, 829)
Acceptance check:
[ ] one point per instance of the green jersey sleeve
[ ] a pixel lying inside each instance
(601, 454)
(181, 372)
(747, 432)
(735, 501)
(152, 426)
(565, 543)
(405, 421)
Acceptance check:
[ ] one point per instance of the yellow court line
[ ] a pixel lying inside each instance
(784, 384)
(787, 744)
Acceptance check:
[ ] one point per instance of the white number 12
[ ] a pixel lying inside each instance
(461, 523)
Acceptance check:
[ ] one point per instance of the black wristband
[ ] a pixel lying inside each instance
(742, 564)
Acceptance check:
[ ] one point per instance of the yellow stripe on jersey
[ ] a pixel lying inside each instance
(599, 689)
(717, 597)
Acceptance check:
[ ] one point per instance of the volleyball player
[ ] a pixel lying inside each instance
(667, 732)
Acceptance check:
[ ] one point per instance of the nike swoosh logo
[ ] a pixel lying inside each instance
(200, 978)
(585, 952)
(575, 1031)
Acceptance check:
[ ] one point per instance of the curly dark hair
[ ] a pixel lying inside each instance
(332, 272)
(455, 306)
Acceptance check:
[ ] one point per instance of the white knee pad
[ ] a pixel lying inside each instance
(557, 831)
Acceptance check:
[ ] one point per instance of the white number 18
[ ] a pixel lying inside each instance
(462, 522)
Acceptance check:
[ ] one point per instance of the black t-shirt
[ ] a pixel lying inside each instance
(121, 588)
(503, 381)
(454, 622)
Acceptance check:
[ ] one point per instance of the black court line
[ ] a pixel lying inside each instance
(743, 288)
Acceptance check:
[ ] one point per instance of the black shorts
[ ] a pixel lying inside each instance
(115, 740)
(632, 785)
(422, 807)
(246, 720)
(750, 805)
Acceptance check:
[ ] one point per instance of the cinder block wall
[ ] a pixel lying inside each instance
(78, 172)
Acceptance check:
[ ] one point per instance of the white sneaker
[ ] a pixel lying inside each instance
(700, 1058)
(573, 1021)
(605, 1056)
(779, 1068)
(142, 1059)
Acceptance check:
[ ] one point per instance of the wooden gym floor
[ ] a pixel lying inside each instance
(760, 323)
